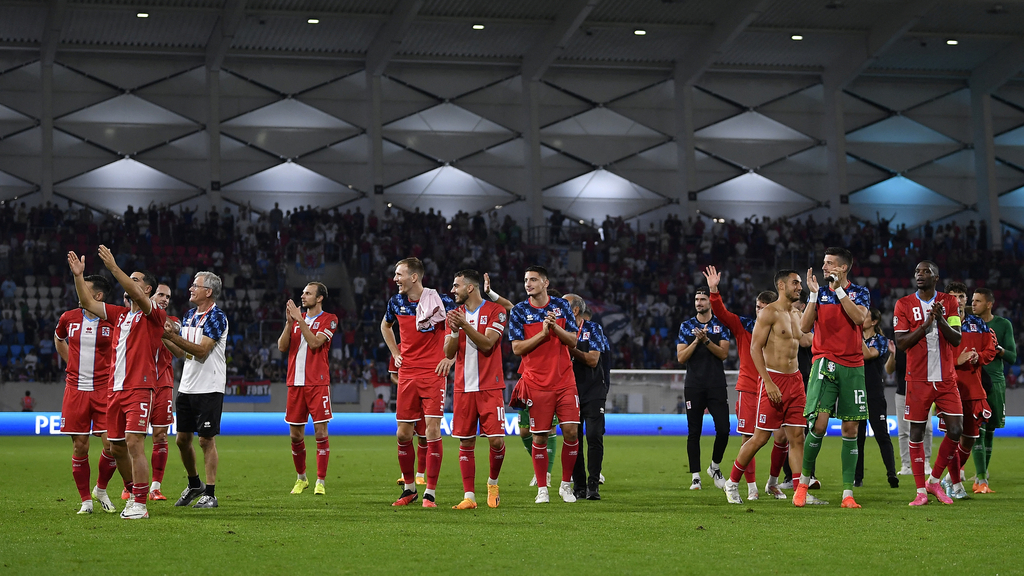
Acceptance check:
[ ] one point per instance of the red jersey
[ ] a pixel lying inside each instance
(548, 366)
(90, 350)
(137, 339)
(164, 360)
(476, 370)
(836, 337)
(932, 359)
(422, 350)
(975, 334)
(743, 328)
(306, 366)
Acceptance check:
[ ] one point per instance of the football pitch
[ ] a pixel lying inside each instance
(647, 522)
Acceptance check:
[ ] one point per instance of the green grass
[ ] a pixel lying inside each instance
(647, 522)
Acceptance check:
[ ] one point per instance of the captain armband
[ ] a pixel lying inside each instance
(953, 321)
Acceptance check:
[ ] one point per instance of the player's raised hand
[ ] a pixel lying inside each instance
(487, 283)
(457, 319)
(812, 281)
(107, 257)
(713, 277)
(76, 263)
(292, 311)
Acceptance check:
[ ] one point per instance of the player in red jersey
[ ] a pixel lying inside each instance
(977, 348)
(542, 329)
(163, 403)
(747, 384)
(421, 314)
(137, 340)
(835, 313)
(775, 344)
(421, 436)
(927, 327)
(306, 338)
(473, 339)
(85, 343)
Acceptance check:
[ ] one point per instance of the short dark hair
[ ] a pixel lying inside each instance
(958, 287)
(555, 293)
(149, 280)
(986, 293)
(321, 289)
(99, 284)
(414, 264)
(783, 274)
(842, 253)
(473, 277)
(768, 296)
(876, 315)
(702, 290)
(934, 266)
(539, 270)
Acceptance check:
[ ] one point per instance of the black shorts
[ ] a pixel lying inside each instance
(199, 413)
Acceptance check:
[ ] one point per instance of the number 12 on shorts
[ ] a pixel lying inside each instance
(858, 397)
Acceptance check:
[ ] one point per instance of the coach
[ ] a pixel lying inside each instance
(592, 390)
(202, 339)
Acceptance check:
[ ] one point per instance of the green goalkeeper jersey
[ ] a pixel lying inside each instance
(1004, 334)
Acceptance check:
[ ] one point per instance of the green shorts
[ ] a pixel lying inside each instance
(524, 421)
(997, 401)
(836, 389)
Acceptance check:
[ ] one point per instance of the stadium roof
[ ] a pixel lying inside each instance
(850, 36)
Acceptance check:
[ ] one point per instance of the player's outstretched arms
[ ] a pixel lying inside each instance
(133, 288)
(85, 299)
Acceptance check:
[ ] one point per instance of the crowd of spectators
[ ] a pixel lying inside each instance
(639, 280)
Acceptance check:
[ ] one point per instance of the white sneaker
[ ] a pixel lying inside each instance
(696, 484)
(134, 511)
(905, 471)
(104, 500)
(775, 491)
(814, 484)
(716, 475)
(542, 496)
(533, 481)
(600, 478)
(786, 485)
(811, 500)
(732, 492)
(565, 491)
(752, 493)
(86, 507)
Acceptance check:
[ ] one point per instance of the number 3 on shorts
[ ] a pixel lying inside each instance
(858, 397)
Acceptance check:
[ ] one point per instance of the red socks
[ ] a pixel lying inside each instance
(435, 450)
(159, 461)
(540, 463)
(467, 465)
(497, 457)
(421, 455)
(917, 462)
(140, 491)
(323, 454)
(299, 456)
(80, 470)
(947, 458)
(751, 472)
(779, 454)
(963, 457)
(407, 461)
(107, 467)
(737, 472)
(569, 452)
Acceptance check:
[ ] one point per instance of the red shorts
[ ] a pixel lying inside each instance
(83, 412)
(788, 412)
(129, 411)
(486, 407)
(921, 396)
(746, 412)
(976, 413)
(163, 407)
(546, 404)
(420, 397)
(308, 401)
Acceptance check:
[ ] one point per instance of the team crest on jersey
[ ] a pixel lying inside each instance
(586, 335)
(716, 329)
(483, 320)
(316, 325)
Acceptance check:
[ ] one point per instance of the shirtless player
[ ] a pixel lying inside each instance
(780, 397)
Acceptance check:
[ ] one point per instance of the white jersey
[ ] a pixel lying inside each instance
(209, 375)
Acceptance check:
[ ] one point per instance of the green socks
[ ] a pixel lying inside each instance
(528, 443)
(849, 455)
(551, 451)
(978, 454)
(812, 445)
(989, 437)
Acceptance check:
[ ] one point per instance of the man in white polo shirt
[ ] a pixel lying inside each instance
(202, 339)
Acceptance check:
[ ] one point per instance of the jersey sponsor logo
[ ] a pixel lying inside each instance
(403, 310)
(333, 324)
(501, 317)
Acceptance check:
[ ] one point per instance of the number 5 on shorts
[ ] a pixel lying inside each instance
(144, 406)
(858, 397)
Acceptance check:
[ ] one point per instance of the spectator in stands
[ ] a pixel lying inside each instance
(28, 403)
(379, 405)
